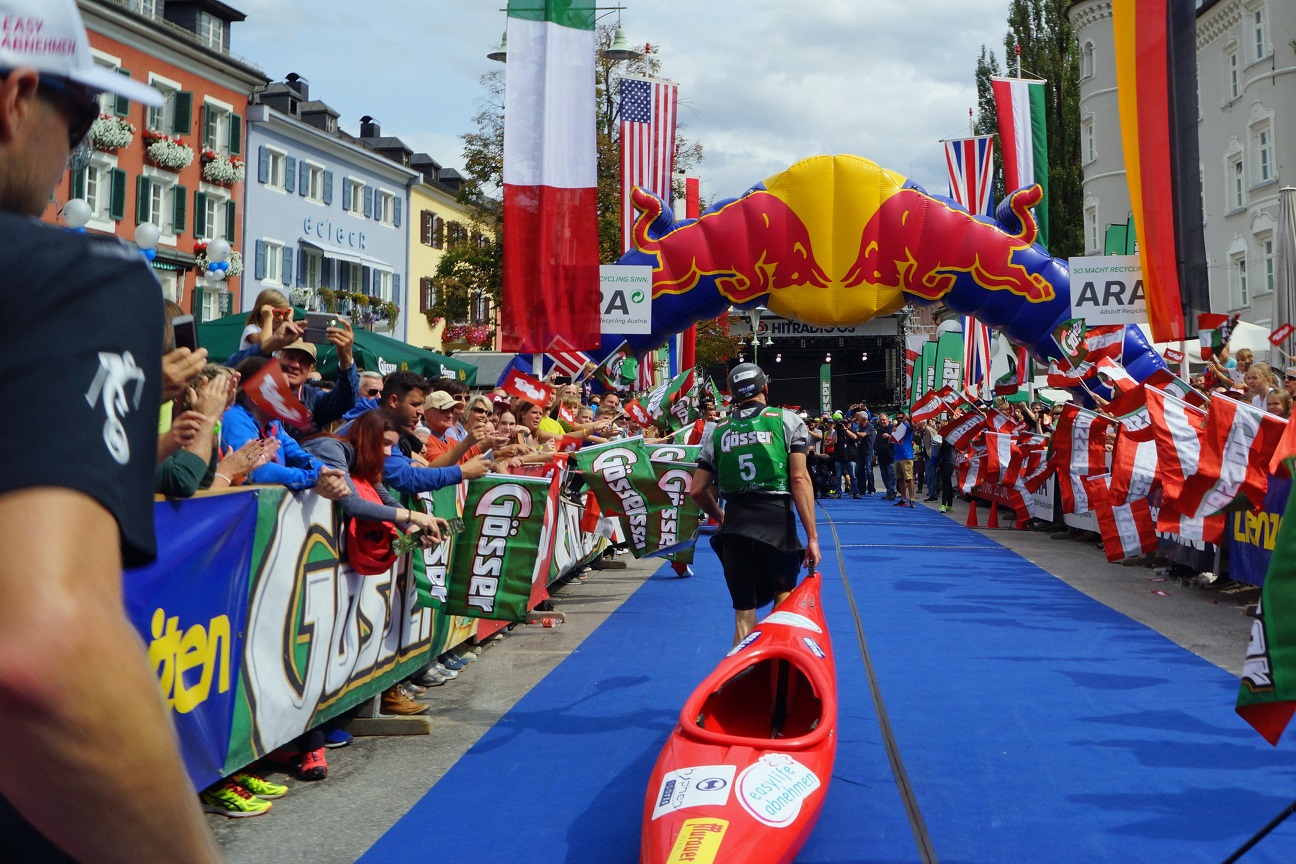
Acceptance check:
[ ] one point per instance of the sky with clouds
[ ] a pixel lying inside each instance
(762, 83)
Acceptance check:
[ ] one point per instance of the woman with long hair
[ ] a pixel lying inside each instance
(269, 309)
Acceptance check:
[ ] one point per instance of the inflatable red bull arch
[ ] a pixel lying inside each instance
(834, 241)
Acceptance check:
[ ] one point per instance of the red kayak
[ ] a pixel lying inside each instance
(743, 776)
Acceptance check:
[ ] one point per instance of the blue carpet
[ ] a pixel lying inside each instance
(1034, 723)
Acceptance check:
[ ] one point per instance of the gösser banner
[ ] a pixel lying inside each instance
(257, 633)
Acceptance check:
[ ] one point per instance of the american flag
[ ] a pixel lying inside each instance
(976, 358)
(971, 172)
(648, 114)
(647, 371)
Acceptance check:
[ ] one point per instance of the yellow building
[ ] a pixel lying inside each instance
(437, 221)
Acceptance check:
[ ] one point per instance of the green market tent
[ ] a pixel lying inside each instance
(372, 351)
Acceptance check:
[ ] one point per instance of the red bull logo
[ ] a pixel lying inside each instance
(753, 246)
(918, 244)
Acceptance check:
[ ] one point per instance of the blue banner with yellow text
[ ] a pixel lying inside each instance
(1252, 535)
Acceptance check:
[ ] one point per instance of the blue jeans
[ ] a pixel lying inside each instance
(864, 467)
(889, 478)
(847, 468)
(929, 477)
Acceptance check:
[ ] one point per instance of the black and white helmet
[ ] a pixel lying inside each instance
(745, 381)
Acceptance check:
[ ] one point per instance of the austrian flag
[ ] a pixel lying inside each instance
(1239, 441)
(525, 387)
(961, 431)
(1127, 530)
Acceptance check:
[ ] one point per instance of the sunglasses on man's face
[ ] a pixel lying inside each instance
(372, 392)
(75, 102)
(1289, 377)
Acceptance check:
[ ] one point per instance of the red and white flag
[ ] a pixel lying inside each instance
(1173, 355)
(1113, 374)
(1003, 458)
(649, 108)
(962, 430)
(1179, 429)
(1280, 334)
(971, 172)
(1134, 456)
(647, 376)
(1127, 530)
(638, 413)
(1239, 442)
(550, 168)
(569, 444)
(1065, 378)
(270, 391)
(567, 359)
(1078, 451)
(525, 387)
(997, 421)
(971, 472)
(1036, 469)
(1105, 341)
(928, 406)
(1206, 529)
(976, 359)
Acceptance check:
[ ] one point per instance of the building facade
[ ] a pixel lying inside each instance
(1246, 86)
(438, 221)
(174, 167)
(326, 216)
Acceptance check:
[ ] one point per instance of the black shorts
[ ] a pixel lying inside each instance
(756, 572)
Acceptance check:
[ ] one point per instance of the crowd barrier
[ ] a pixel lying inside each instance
(258, 633)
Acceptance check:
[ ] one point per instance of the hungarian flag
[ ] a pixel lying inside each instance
(1267, 696)
(1128, 530)
(551, 259)
(1023, 135)
(1179, 429)
(1156, 84)
(1238, 444)
(927, 407)
(525, 387)
(961, 431)
(1078, 450)
(1214, 331)
(1003, 458)
(270, 391)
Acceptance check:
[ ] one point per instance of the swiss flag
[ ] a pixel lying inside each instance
(269, 390)
(525, 387)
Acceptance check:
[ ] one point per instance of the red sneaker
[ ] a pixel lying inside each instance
(313, 765)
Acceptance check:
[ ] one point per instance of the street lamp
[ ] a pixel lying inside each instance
(618, 51)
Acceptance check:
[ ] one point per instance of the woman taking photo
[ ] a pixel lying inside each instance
(269, 308)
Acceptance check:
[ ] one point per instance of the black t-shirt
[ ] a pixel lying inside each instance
(80, 372)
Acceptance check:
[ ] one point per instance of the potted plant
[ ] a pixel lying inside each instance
(111, 132)
(167, 152)
(221, 169)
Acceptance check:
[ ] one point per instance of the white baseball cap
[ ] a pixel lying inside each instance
(49, 36)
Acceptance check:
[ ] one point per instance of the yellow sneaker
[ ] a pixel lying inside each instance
(259, 786)
(232, 800)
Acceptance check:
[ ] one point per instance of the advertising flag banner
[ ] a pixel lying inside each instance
(1070, 340)
(569, 361)
(1173, 355)
(1077, 451)
(1003, 458)
(949, 361)
(1179, 430)
(550, 173)
(1113, 374)
(1280, 334)
(622, 478)
(523, 386)
(962, 430)
(675, 400)
(638, 413)
(676, 524)
(825, 388)
(1267, 696)
(496, 561)
(927, 407)
(270, 391)
(1134, 455)
(1238, 443)
(928, 365)
(913, 353)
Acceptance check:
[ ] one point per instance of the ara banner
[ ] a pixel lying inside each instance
(496, 559)
(621, 476)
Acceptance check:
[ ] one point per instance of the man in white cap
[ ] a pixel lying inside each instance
(89, 768)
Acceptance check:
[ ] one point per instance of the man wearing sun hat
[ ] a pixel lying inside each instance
(89, 768)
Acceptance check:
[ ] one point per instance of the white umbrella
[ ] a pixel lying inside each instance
(1284, 296)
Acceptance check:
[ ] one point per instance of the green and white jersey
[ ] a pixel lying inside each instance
(749, 452)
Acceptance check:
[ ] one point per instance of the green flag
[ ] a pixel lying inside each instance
(949, 362)
(621, 476)
(495, 562)
(1267, 697)
(825, 388)
(678, 521)
(929, 364)
(675, 400)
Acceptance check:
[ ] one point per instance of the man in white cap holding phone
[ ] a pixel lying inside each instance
(89, 768)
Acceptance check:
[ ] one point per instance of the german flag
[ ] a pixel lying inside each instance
(1156, 76)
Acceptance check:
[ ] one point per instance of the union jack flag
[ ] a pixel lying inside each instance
(971, 172)
(976, 358)
(648, 118)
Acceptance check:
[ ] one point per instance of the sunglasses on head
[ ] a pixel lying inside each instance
(77, 104)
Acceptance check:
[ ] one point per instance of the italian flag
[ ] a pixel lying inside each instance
(1023, 138)
(551, 277)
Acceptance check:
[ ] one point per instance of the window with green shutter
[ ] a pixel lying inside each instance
(200, 215)
(79, 184)
(182, 118)
(121, 105)
(235, 135)
(209, 127)
(117, 204)
(231, 213)
(179, 200)
(143, 195)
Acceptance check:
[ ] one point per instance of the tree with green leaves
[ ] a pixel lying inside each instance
(1048, 51)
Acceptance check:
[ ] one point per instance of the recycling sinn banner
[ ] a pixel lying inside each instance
(496, 558)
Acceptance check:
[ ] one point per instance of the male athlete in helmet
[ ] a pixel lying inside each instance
(757, 458)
